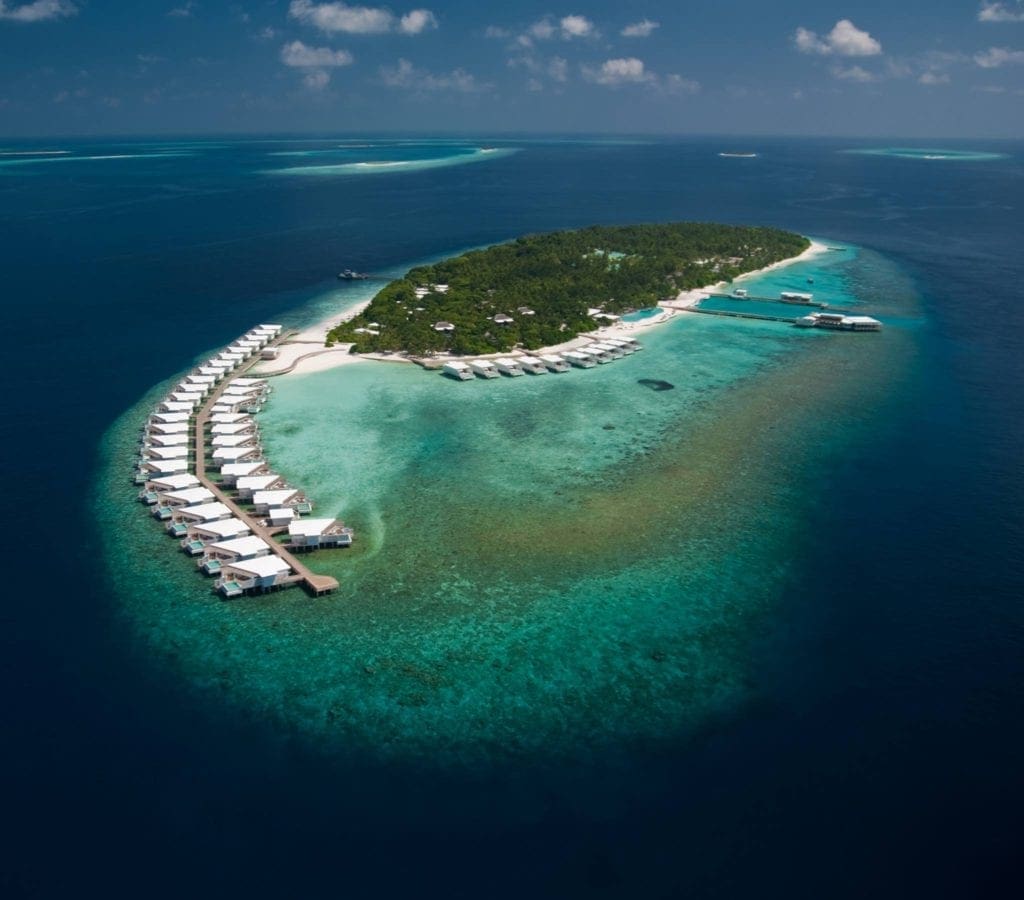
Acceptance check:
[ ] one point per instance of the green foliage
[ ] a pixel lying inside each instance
(558, 276)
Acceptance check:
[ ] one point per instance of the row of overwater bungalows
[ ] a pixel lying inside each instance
(586, 357)
(207, 528)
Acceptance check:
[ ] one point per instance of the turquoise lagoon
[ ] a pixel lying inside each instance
(545, 566)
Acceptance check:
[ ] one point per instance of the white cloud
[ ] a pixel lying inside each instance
(184, 11)
(543, 30)
(995, 57)
(317, 80)
(676, 84)
(1000, 12)
(558, 69)
(406, 75)
(576, 27)
(853, 73)
(627, 70)
(640, 29)
(38, 11)
(933, 78)
(417, 21)
(845, 39)
(337, 16)
(299, 55)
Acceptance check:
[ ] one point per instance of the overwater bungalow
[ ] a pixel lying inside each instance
(193, 397)
(234, 440)
(580, 360)
(531, 365)
(484, 368)
(168, 418)
(247, 427)
(154, 428)
(279, 516)
(207, 380)
(175, 406)
(232, 471)
(172, 482)
(156, 468)
(189, 496)
(611, 349)
(204, 533)
(168, 440)
(554, 363)
(262, 573)
(236, 454)
(202, 512)
(625, 346)
(314, 533)
(249, 484)
(595, 353)
(216, 371)
(228, 418)
(265, 500)
(219, 553)
(457, 370)
(508, 366)
(164, 453)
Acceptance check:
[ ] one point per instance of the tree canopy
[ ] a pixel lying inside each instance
(540, 287)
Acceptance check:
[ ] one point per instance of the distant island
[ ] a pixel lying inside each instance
(542, 290)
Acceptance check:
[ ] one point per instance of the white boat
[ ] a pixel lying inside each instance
(531, 365)
(458, 370)
(508, 366)
(741, 293)
(484, 368)
(796, 297)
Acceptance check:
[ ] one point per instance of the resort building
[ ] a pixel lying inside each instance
(531, 365)
(262, 573)
(249, 484)
(554, 363)
(458, 370)
(237, 454)
(202, 512)
(281, 516)
(264, 501)
(220, 530)
(231, 472)
(219, 553)
(484, 368)
(503, 319)
(314, 533)
(444, 326)
(580, 360)
(508, 366)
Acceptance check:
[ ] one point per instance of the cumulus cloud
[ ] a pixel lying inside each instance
(336, 16)
(853, 73)
(625, 70)
(933, 78)
(1001, 12)
(576, 27)
(643, 28)
(417, 21)
(184, 11)
(299, 55)
(37, 11)
(406, 75)
(567, 28)
(556, 69)
(316, 80)
(676, 84)
(995, 57)
(845, 39)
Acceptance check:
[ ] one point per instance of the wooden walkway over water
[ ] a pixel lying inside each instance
(742, 315)
(315, 584)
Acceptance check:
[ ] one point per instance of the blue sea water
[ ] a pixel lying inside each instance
(769, 643)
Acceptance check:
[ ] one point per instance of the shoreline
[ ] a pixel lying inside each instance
(309, 342)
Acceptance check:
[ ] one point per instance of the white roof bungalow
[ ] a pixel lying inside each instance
(168, 440)
(595, 352)
(533, 366)
(248, 382)
(508, 366)
(218, 530)
(264, 501)
(612, 350)
(235, 440)
(248, 427)
(231, 472)
(208, 380)
(503, 319)
(202, 512)
(236, 454)
(186, 496)
(180, 482)
(444, 326)
(216, 371)
(193, 397)
(165, 453)
(260, 573)
(168, 427)
(319, 533)
(580, 360)
(283, 515)
(554, 363)
(176, 406)
(218, 553)
(247, 485)
(457, 370)
(484, 368)
(168, 418)
(153, 468)
(229, 418)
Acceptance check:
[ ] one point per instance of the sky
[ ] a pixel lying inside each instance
(804, 67)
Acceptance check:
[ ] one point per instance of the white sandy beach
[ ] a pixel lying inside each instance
(304, 352)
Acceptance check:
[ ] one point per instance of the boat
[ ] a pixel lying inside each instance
(350, 275)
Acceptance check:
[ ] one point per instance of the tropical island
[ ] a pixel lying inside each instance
(542, 290)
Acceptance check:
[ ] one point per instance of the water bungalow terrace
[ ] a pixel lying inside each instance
(247, 485)
(237, 454)
(554, 363)
(262, 573)
(218, 530)
(314, 533)
(202, 512)
(231, 472)
(264, 501)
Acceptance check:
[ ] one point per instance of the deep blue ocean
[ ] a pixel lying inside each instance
(880, 754)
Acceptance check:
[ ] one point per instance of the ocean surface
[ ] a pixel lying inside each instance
(756, 634)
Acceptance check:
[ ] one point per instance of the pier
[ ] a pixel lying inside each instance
(202, 512)
(743, 315)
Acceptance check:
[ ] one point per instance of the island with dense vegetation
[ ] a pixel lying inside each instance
(544, 289)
